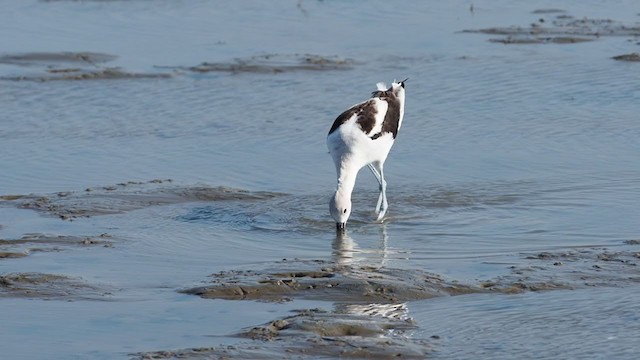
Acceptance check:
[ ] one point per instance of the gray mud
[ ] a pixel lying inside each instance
(52, 58)
(548, 11)
(88, 66)
(68, 74)
(323, 280)
(274, 63)
(633, 57)
(125, 197)
(541, 40)
(11, 254)
(70, 66)
(342, 333)
(574, 269)
(561, 29)
(30, 243)
(371, 331)
(49, 287)
(370, 319)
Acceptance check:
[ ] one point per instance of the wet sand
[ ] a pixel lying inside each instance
(74, 66)
(551, 28)
(49, 287)
(321, 280)
(633, 57)
(276, 63)
(69, 66)
(340, 333)
(123, 197)
(30, 243)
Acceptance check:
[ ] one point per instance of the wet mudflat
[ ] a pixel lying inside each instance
(69, 66)
(29, 243)
(123, 197)
(364, 299)
(178, 209)
(48, 287)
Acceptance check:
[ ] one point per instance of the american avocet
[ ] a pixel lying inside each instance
(363, 136)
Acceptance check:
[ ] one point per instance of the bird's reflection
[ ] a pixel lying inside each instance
(355, 261)
(392, 311)
(344, 249)
(347, 252)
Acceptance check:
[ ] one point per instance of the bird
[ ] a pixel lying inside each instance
(363, 136)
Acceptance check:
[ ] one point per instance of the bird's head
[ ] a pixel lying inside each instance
(397, 87)
(340, 208)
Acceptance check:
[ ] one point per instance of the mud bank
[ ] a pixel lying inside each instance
(30, 243)
(559, 29)
(323, 280)
(370, 319)
(272, 63)
(51, 66)
(84, 74)
(125, 197)
(73, 66)
(329, 281)
(56, 59)
(633, 57)
(49, 287)
(345, 332)
(595, 267)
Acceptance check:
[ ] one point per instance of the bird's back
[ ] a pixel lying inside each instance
(362, 133)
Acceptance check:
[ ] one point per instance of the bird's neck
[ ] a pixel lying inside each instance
(346, 181)
(401, 100)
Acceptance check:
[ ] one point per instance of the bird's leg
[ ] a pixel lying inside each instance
(377, 175)
(382, 199)
(382, 205)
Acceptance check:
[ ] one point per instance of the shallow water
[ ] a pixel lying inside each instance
(507, 150)
(585, 324)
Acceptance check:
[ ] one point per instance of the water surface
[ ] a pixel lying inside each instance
(506, 151)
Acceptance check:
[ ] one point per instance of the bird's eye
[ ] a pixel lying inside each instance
(345, 211)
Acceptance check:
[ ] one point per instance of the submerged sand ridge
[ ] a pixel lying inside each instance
(551, 28)
(56, 66)
(323, 280)
(49, 287)
(370, 318)
(123, 197)
(30, 243)
(574, 269)
(46, 286)
(318, 333)
(52, 66)
(276, 63)
(51, 58)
